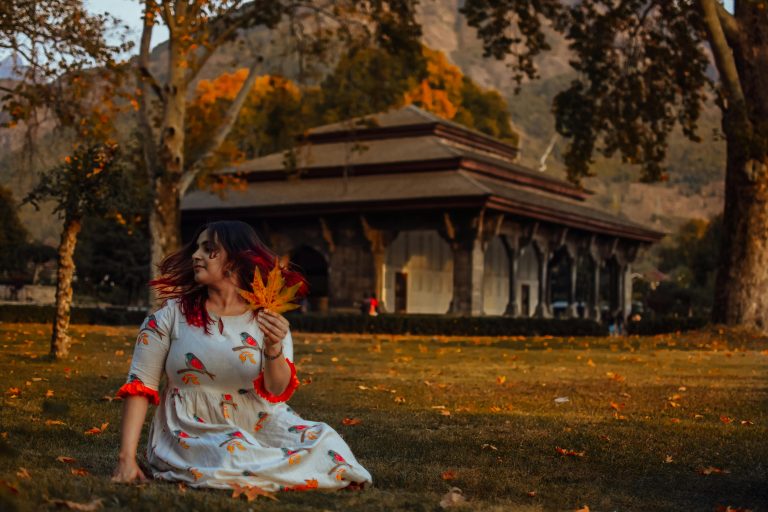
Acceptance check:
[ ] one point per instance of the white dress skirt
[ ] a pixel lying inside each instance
(215, 424)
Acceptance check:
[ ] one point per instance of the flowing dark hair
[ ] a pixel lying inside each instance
(245, 253)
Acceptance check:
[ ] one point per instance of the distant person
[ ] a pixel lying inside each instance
(222, 417)
(373, 305)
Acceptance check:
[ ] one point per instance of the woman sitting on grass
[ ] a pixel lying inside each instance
(222, 418)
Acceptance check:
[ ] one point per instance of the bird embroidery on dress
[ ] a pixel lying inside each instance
(198, 418)
(260, 423)
(307, 431)
(234, 440)
(248, 342)
(195, 365)
(226, 399)
(150, 324)
(142, 338)
(294, 456)
(180, 436)
(339, 463)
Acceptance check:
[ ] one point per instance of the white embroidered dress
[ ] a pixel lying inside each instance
(215, 424)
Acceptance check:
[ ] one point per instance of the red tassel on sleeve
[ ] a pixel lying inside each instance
(293, 383)
(137, 388)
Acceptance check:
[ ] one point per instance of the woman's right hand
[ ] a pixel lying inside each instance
(128, 471)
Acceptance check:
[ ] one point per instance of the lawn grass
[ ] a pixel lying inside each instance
(483, 409)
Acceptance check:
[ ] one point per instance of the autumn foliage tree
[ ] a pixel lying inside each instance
(197, 29)
(642, 72)
(86, 183)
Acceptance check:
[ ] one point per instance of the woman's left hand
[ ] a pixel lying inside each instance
(273, 325)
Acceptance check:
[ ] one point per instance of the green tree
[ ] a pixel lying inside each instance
(13, 236)
(642, 72)
(86, 183)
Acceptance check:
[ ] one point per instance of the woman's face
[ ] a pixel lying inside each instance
(208, 261)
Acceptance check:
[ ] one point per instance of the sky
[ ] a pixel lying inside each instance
(129, 12)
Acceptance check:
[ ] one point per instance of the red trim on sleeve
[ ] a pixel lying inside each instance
(293, 383)
(137, 388)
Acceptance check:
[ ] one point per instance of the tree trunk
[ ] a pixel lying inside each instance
(741, 293)
(66, 270)
(165, 217)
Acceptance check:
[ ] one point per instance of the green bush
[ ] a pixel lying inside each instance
(666, 325)
(23, 313)
(344, 323)
(445, 325)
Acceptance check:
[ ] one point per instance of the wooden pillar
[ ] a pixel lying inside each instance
(544, 303)
(513, 308)
(593, 311)
(466, 238)
(573, 311)
(468, 271)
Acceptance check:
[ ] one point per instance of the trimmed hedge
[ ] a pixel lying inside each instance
(24, 313)
(667, 325)
(345, 323)
(445, 325)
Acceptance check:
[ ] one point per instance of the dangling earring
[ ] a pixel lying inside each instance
(229, 273)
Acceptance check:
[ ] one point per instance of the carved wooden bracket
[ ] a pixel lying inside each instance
(327, 234)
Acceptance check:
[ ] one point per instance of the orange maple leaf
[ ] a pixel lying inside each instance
(351, 421)
(273, 295)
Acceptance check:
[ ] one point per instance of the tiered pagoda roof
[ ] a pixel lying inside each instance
(407, 159)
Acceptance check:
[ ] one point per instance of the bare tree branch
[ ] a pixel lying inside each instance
(723, 54)
(148, 141)
(729, 23)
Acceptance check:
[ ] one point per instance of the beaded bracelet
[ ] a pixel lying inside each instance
(272, 358)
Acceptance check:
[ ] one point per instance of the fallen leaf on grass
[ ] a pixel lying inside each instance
(74, 505)
(668, 459)
(723, 508)
(49, 393)
(445, 412)
(50, 423)
(97, 430)
(585, 508)
(9, 486)
(746, 423)
(562, 400)
(495, 408)
(79, 471)
(675, 420)
(590, 363)
(351, 421)
(617, 407)
(108, 398)
(448, 475)
(14, 392)
(726, 419)
(570, 453)
(65, 459)
(251, 492)
(615, 376)
(399, 400)
(23, 473)
(501, 379)
(453, 498)
(531, 494)
(487, 446)
(712, 470)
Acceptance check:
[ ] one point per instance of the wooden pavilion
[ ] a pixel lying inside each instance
(432, 217)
